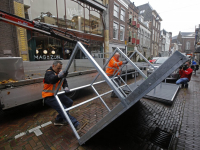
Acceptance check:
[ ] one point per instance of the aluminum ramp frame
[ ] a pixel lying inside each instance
(163, 92)
(126, 101)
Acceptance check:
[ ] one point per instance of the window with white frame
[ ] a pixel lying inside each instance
(116, 10)
(115, 30)
(122, 16)
(187, 45)
(153, 35)
(122, 33)
(153, 22)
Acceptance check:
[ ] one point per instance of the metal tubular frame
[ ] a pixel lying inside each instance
(126, 101)
(117, 89)
(106, 78)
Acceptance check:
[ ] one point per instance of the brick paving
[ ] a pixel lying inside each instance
(132, 130)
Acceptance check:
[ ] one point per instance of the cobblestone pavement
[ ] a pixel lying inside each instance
(134, 129)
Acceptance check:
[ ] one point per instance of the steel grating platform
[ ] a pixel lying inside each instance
(107, 110)
(164, 92)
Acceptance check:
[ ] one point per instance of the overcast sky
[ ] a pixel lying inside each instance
(177, 15)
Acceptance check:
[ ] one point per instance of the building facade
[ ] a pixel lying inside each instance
(153, 17)
(187, 40)
(84, 19)
(133, 26)
(144, 34)
(165, 42)
(118, 17)
(197, 43)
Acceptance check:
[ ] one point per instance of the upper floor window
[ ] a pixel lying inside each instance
(115, 30)
(187, 45)
(122, 33)
(122, 16)
(153, 35)
(116, 10)
(153, 22)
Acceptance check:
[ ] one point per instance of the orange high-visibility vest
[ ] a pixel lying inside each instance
(113, 66)
(49, 89)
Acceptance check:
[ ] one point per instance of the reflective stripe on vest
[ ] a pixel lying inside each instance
(50, 91)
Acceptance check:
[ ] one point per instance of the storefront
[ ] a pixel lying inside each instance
(78, 18)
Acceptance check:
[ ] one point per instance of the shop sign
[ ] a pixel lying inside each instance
(46, 57)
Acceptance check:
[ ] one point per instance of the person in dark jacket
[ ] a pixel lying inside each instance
(185, 75)
(52, 78)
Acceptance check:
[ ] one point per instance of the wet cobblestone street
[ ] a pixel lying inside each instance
(132, 130)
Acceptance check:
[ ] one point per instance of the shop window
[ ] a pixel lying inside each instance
(74, 16)
(101, 1)
(43, 11)
(96, 23)
(48, 48)
(61, 14)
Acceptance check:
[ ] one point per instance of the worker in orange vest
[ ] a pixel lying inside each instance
(51, 80)
(113, 67)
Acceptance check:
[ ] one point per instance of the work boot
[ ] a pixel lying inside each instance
(186, 85)
(114, 96)
(80, 126)
(60, 123)
(182, 85)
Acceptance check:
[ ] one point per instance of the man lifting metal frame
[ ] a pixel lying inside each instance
(126, 101)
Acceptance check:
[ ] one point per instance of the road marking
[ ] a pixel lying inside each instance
(38, 132)
(33, 129)
(46, 124)
(20, 135)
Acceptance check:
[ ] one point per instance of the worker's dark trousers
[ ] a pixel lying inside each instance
(66, 102)
(117, 80)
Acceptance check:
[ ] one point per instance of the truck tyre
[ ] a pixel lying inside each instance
(73, 94)
(133, 75)
(137, 74)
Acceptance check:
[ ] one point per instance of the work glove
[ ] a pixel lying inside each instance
(67, 90)
(62, 74)
(124, 62)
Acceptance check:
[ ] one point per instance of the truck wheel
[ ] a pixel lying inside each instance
(133, 75)
(137, 74)
(73, 94)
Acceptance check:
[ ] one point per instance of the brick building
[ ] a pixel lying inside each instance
(118, 18)
(165, 43)
(187, 39)
(144, 34)
(197, 43)
(85, 19)
(9, 46)
(133, 25)
(153, 17)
